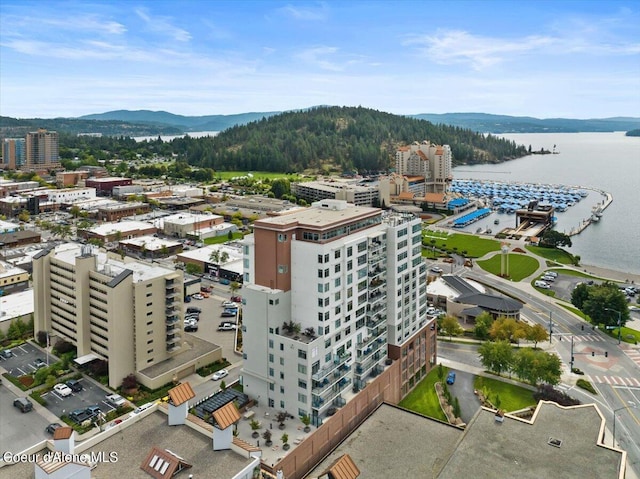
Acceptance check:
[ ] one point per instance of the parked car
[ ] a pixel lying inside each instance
(192, 317)
(551, 273)
(204, 294)
(205, 289)
(193, 309)
(94, 410)
(219, 374)
(451, 377)
(191, 327)
(75, 385)
(236, 299)
(115, 400)
(229, 304)
(81, 415)
(51, 428)
(197, 296)
(227, 321)
(227, 327)
(23, 404)
(436, 269)
(62, 389)
(39, 363)
(187, 299)
(225, 281)
(541, 284)
(6, 353)
(229, 313)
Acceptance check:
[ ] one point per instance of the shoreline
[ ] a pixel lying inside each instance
(607, 273)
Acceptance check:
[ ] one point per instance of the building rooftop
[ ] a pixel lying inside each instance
(188, 218)
(393, 442)
(204, 254)
(151, 243)
(192, 348)
(321, 214)
(106, 229)
(16, 305)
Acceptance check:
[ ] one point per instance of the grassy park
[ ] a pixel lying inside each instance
(520, 266)
(556, 255)
(510, 397)
(423, 399)
(474, 246)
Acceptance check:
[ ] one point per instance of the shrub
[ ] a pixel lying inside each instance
(41, 338)
(130, 382)
(547, 392)
(63, 346)
(584, 384)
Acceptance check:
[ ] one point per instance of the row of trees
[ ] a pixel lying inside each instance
(604, 303)
(530, 365)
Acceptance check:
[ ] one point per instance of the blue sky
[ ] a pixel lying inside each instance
(578, 59)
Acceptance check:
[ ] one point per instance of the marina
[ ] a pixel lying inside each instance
(496, 199)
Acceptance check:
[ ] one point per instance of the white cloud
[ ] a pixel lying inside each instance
(318, 56)
(163, 25)
(321, 12)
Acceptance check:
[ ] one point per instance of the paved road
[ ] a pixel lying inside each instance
(463, 390)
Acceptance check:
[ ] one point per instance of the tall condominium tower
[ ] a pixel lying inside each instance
(122, 311)
(433, 162)
(13, 153)
(42, 150)
(331, 294)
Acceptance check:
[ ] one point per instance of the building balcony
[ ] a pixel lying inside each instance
(320, 401)
(367, 366)
(172, 319)
(338, 362)
(172, 328)
(173, 347)
(378, 297)
(376, 320)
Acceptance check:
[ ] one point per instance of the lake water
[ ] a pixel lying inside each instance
(192, 134)
(600, 161)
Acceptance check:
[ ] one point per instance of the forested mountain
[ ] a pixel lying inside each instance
(12, 127)
(484, 122)
(347, 137)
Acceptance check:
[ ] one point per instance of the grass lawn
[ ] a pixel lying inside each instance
(473, 245)
(222, 238)
(554, 254)
(627, 335)
(434, 234)
(259, 175)
(520, 266)
(512, 398)
(423, 399)
(429, 253)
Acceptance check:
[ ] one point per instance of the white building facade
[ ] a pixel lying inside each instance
(318, 289)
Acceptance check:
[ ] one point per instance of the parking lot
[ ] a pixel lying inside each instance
(210, 319)
(22, 361)
(91, 395)
(19, 430)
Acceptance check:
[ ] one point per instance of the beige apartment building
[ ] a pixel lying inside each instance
(123, 311)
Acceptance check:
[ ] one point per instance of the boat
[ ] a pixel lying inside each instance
(496, 221)
(595, 218)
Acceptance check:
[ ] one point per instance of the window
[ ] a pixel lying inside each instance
(349, 265)
(281, 361)
(302, 368)
(349, 278)
(362, 259)
(327, 358)
(283, 268)
(281, 389)
(326, 330)
(319, 273)
(271, 343)
(272, 403)
(302, 354)
(281, 347)
(271, 372)
(282, 238)
(270, 357)
(337, 295)
(302, 384)
(327, 343)
(281, 375)
(326, 258)
(350, 251)
(272, 388)
(281, 404)
(338, 309)
(302, 398)
(336, 268)
(320, 258)
(326, 273)
(336, 255)
(337, 323)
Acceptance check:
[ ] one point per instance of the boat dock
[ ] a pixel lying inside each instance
(597, 212)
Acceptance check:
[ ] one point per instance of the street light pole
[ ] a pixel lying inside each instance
(550, 327)
(630, 405)
(619, 322)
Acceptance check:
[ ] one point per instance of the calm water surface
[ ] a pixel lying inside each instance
(602, 161)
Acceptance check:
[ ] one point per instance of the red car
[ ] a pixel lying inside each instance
(236, 299)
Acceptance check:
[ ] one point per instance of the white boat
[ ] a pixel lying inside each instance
(595, 218)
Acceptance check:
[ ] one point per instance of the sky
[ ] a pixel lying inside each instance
(543, 58)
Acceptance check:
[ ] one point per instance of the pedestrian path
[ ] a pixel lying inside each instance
(615, 380)
(633, 354)
(580, 338)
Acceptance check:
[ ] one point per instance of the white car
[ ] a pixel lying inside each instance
(541, 284)
(436, 269)
(197, 296)
(551, 273)
(62, 389)
(219, 374)
(115, 400)
(229, 304)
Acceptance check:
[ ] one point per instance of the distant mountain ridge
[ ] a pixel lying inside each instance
(487, 123)
(480, 122)
(186, 123)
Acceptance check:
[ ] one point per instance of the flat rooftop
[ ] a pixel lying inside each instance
(393, 442)
(191, 348)
(318, 217)
(106, 229)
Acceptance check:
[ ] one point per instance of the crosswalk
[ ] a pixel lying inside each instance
(615, 380)
(579, 338)
(633, 354)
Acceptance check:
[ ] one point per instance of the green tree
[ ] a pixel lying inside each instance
(537, 366)
(194, 269)
(555, 239)
(280, 187)
(451, 325)
(496, 356)
(483, 324)
(536, 334)
(579, 295)
(606, 304)
(507, 329)
(24, 216)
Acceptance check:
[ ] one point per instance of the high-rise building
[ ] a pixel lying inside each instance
(330, 294)
(426, 159)
(13, 153)
(122, 311)
(42, 150)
